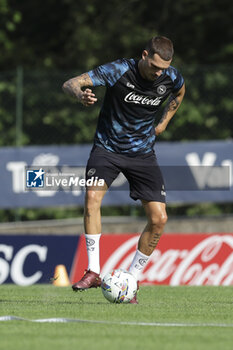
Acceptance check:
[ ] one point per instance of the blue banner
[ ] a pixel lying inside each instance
(193, 172)
(26, 260)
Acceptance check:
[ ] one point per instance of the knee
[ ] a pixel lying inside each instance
(158, 219)
(93, 200)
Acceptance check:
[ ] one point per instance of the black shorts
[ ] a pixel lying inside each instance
(142, 172)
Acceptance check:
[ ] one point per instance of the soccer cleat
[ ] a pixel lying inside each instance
(134, 300)
(89, 280)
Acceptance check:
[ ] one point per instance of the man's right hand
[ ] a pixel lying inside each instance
(88, 98)
(73, 87)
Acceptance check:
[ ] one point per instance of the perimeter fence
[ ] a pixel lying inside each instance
(35, 111)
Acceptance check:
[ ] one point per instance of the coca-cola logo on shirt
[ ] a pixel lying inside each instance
(132, 97)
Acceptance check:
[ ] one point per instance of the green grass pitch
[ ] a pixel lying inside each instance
(166, 305)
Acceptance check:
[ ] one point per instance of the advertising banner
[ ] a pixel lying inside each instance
(46, 176)
(26, 260)
(180, 259)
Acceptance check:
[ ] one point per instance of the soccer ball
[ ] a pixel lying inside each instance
(119, 286)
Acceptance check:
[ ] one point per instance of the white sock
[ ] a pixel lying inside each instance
(139, 262)
(93, 252)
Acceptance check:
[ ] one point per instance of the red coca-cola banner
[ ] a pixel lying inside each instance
(191, 259)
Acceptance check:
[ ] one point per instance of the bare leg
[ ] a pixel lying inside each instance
(92, 214)
(92, 224)
(157, 218)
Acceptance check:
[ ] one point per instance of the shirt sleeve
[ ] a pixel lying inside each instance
(178, 82)
(108, 74)
(176, 77)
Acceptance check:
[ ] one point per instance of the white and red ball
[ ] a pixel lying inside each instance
(119, 286)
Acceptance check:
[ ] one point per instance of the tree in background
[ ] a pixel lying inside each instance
(54, 40)
(79, 34)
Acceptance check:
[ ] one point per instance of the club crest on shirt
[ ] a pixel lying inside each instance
(161, 89)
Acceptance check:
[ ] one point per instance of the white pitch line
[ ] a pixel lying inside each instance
(151, 324)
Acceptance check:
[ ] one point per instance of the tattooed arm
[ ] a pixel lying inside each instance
(73, 87)
(170, 110)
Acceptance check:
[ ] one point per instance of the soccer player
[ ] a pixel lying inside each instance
(124, 142)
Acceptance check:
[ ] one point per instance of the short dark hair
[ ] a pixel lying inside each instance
(162, 46)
